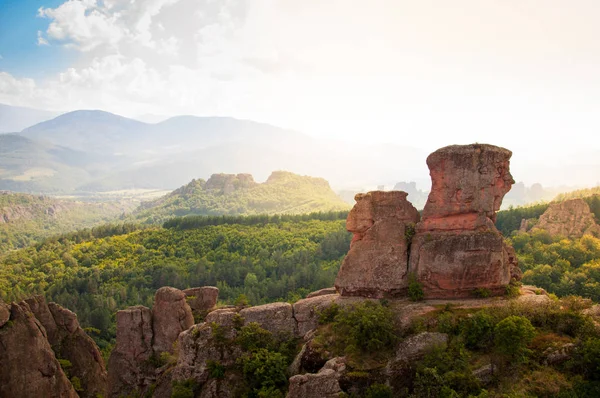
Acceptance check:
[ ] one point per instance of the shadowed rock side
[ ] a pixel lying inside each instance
(457, 247)
(571, 218)
(376, 265)
(29, 366)
(70, 342)
(171, 315)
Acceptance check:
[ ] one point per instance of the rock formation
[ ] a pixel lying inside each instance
(202, 299)
(29, 366)
(377, 263)
(70, 342)
(171, 315)
(457, 248)
(571, 218)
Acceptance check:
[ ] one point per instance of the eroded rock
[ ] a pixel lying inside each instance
(29, 366)
(306, 312)
(202, 299)
(571, 218)
(324, 384)
(457, 247)
(277, 318)
(377, 263)
(322, 292)
(171, 315)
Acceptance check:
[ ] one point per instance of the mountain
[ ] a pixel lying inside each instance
(24, 219)
(230, 194)
(117, 153)
(14, 118)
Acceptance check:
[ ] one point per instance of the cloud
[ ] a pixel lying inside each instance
(41, 41)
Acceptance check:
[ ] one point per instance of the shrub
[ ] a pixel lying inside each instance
(588, 358)
(367, 326)
(264, 368)
(482, 292)
(241, 301)
(328, 314)
(477, 330)
(215, 369)
(512, 335)
(252, 337)
(184, 389)
(415, 289)
(76, 383)
(513, 289)
(378, 390)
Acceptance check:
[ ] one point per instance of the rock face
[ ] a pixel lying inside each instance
(457, 247)
(171, 315)
(70, 342)
(201, 299)
(571, 218)
(133, 349)
(324, 384)
(277, 318)
(377, 263)
(29, 366)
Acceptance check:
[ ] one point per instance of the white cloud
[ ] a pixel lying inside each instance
(41, 41)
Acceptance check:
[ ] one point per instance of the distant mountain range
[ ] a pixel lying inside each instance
(92, 151)
(14, 118)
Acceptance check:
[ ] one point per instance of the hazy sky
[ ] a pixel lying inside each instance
(524, 74)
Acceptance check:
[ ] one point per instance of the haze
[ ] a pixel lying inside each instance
(522, 74)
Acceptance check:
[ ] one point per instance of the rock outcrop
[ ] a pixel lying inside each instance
(277, 318)
(29, 366)
(171, 315)
(377, 263)
(324, 384)
(70, 342)
(571, 218)
(202, 299)
(128, 362)
(457, 248)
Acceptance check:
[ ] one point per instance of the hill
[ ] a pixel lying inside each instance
(229, 194)
(15, 118)
(116, 153)
(26, 219)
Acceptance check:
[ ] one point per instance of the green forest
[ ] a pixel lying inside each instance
(99, 271)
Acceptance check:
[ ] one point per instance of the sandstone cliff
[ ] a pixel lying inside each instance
(571, 218)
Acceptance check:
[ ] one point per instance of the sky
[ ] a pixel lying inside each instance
(522, 74)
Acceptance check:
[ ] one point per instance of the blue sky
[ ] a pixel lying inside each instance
(21, 55)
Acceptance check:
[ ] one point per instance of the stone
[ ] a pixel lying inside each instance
(29, 366)
(554, 356)
(571, 218)
(277, 318)
(127, 369)
(196, 347)
(457, 248)
(171, 315)
(468, 184)
(227, 319)
(306, 312)
(202, 299)
(70, 342)
(377, 263)
(322, 292)
(415, 347)
(485, 374)
(324, 384)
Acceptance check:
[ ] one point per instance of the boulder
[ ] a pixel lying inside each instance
(306, 312)
(415, 347)
(128, 368)
(376, 265)
(29, 366)
(277, 318)
(457, 248)
(227, 318)
(571, 218)
(324, 384)
(171, 315)
(201, 299)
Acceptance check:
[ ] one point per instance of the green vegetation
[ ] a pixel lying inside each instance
(222, 194)
(99, 271)
(25, 219)
(415, 289)
(512, 335)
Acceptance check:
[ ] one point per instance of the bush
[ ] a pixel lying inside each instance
(252, 337)
(512, 335)
(328, 314)
(264, 369)
(367, 326)
(184, 389)
(477, 330)
(215, 369)
(482, 292)
(378, 391)
(587, 358)
(415, 289)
